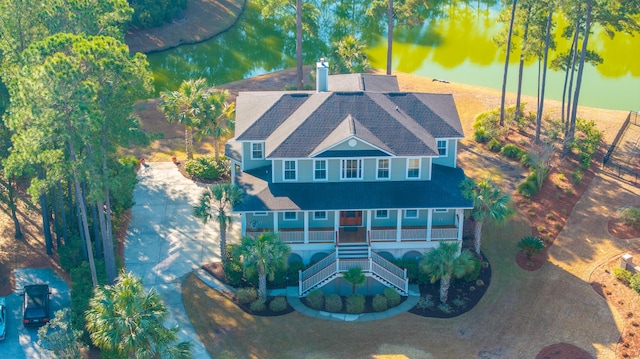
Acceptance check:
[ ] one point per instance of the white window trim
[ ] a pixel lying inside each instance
(440, 210)
(446, 148)
(388, 168)
(284, 217)
(326, 170)
(404, 214)
(419, 167)
(375, 214)
(343, 169)
(326, 217)
(261, 150)
(260, 214)
(284, 169)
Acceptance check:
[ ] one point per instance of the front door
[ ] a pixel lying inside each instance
(351, 218)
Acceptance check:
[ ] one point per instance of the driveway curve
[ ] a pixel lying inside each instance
(165, 241)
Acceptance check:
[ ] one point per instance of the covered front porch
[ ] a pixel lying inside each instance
(366, 226)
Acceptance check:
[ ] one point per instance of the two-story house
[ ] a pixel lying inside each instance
(355, 173)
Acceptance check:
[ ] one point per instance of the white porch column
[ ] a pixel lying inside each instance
(460, 219)
(243, 226)
(368, 223)
(306, 227)
(275, 222)
(336, 223)
(429, 223)
(399, 226)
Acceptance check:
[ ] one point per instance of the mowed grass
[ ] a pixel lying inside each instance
(228, 332)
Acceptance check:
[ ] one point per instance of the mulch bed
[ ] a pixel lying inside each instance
(470, 292)
(563, 351)
(216, 270)
(180, 166)
(531, 264)
(620, 230)
(625, 301)
(368, 304)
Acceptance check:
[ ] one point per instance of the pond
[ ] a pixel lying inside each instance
(455, 43)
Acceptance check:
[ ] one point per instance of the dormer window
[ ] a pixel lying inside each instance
(257, 151)
(413, 168)
(442, 147)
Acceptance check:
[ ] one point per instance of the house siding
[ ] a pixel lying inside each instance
(450, 159)
(247, 162)
(360, 146)
(444, 219)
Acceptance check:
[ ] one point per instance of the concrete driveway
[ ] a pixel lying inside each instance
(165, 241)
(22, 342)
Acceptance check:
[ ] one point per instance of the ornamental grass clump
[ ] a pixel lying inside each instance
(333, 303)
(278, 304)
(393, 297)
(246, 295)
(379, 303)
(315, 299)
(355, 304)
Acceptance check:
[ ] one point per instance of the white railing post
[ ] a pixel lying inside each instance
(299, 282)
(406, 282)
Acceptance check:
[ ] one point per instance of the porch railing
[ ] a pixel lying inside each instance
(331, 266)
(437, 234)
(444, 233)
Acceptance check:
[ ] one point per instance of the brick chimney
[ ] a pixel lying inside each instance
(322, 75)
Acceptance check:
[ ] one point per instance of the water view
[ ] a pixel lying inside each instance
(454, 44)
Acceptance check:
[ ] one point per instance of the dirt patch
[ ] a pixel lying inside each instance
(202, 20)
(563, 351)
(626, 302)
(621, 230)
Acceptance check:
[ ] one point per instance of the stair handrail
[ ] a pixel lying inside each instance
(388, 265)
(321, 264)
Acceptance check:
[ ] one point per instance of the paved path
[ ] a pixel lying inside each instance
(165, 241)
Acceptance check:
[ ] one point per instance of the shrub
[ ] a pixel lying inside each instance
(315, 299)
(279, 279)
(531, 245)
(529, 187)
(445, 308)
(511, 151)
(204, 167)
(233, 273)
(246, 295)
(459, 302)
(70, 253)
(526, 159)
(355, 304)
(631, 216)
(576, 176)
(623, 275)
(278, 304)
(481, 135)
(333, 303)
(292, 272)
(258, 306)
(425, 303)
(411, 266)
(494, 145)
(634, 283)
(473, 274)
(153, 13)
(379, 303)
(393, 297)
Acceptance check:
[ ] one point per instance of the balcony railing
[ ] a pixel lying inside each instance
(413, 234)
(297, 236)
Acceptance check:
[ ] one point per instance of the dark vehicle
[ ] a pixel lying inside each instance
(35, 305)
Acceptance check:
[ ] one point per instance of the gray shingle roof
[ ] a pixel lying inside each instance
(302, 124)
(263, 195)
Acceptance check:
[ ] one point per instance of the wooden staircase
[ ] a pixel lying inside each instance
(351, 255)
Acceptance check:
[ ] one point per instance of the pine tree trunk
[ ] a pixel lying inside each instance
(520, 70)
(585, 42)
(97, 227)
(109, 254)
(299, 74)
(506, 63)
(389, 37)
(12, 205)
(45, 217)
(544, 75)
(63, 213)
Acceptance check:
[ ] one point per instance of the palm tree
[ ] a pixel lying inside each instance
(182, 107)
(531, 245)
(264, 254)
(217, 118)
(127, 322)
(354, 276)
(444, 263)
(489, 204)
(217, 202)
